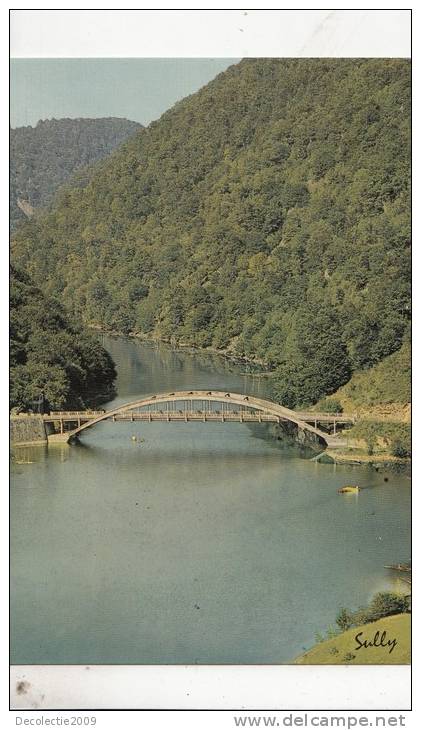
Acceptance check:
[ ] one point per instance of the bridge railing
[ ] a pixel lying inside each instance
(325, 415)
(223, 408)
(61, 414)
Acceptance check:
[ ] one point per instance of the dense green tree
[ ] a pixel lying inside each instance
(385, 603)
(51, 361)
(344, 619)
(382, 604)
(315, 360)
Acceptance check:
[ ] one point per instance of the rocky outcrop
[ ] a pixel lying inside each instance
(290, 434)
(25, 207)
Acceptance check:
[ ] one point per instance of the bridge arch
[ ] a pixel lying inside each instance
(238, 399)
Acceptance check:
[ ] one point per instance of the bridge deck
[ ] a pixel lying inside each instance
(195, 415)
(186, 416)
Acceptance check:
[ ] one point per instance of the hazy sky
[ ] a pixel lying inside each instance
(140, 89)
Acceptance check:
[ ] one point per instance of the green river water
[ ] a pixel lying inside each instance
(203, 543)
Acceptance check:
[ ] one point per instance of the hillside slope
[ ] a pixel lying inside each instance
(380, 398)
(52, 362)
(266, 215)
(43, 157)
(344, 649)
(382, 392)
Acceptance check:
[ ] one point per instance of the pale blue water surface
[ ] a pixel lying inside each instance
(204, 543)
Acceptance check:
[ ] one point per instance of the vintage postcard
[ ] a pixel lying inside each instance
(210, 381)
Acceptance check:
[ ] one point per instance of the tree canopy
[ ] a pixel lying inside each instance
(51, 361)
(267, 215)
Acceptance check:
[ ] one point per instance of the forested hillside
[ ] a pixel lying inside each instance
(51, 361)
(45, 156)
(266, 215)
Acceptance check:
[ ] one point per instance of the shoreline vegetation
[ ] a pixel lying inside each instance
(380, 440)
(54, 363)
(190, 348)
(345, 649)
(371, 440)
(377, 634)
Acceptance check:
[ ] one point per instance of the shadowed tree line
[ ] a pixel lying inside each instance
(52, 363)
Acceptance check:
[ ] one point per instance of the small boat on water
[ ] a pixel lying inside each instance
(349, 489)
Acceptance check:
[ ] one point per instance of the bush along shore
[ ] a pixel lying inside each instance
(54, 363)
(378, 397)
(375, 442)
(377, 634)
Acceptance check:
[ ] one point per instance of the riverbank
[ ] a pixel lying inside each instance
(360, 457)
(379, 397)
(373, 442)
(346, 648)
(260, 365)
(369, 442)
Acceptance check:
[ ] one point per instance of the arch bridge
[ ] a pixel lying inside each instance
(199, 406)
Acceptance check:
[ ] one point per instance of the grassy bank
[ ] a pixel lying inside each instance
(380, 393)
(382, 438)
(344, 649)
(360, 456)
(377, 442)
(379, 397)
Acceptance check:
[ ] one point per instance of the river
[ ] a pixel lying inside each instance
(197, 543)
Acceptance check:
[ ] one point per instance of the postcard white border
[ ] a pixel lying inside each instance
(209, 33)
(206, 687)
